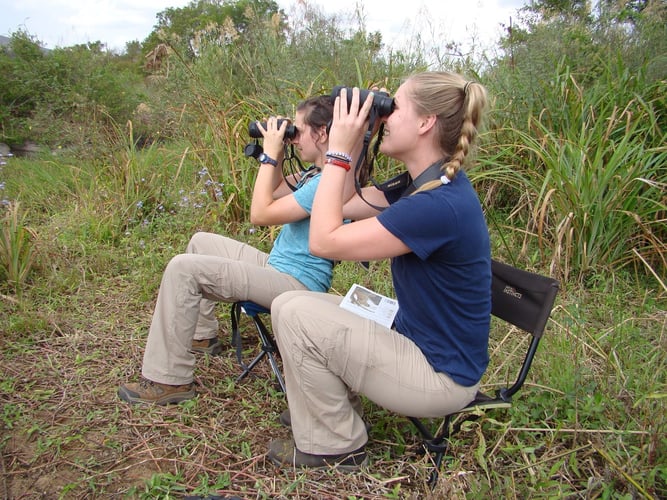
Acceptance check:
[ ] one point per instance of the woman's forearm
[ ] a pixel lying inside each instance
(268, 179)
(327, 215)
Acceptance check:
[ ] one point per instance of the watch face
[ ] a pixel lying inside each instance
(264, 158)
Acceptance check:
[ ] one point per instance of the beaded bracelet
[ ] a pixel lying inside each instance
(339, 163)
(339, 155)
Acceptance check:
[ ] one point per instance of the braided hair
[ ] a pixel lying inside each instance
(458, 105)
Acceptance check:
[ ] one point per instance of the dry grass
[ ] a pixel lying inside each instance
(67, 435)
(71, 437)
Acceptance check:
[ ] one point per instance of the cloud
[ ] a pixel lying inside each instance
(479, 22)
(116, 22)
(70, 22)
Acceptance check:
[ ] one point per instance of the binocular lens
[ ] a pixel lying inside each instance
(383, 104)
(256, 133)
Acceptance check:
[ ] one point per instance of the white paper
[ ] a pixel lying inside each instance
(370, 305)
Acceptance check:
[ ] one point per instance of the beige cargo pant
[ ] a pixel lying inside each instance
(213, 269)
(330, 354)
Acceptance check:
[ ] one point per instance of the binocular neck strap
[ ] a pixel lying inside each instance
(291, 158)
(432, 173)
(363, 157)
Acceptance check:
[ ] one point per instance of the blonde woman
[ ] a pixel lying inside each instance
(431, 361)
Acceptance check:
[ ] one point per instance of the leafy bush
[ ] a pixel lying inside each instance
(594, 166)
(66, 97)
(580, 115)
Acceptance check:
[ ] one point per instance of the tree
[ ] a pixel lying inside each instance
(562, 9)
(221, 21)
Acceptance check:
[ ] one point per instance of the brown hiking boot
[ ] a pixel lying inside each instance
(147, 391)
(212, 347)
(283, 452)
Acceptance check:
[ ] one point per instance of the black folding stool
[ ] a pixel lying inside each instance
(267, 343)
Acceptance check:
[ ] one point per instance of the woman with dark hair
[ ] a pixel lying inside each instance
(215, 268)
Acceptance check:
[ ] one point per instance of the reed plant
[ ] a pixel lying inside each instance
(17, 247)
(229, 85)
(590, 177)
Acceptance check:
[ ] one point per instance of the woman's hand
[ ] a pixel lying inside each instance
(349, 124)
(274, 136)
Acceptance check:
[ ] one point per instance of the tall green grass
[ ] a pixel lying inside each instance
(590, 174)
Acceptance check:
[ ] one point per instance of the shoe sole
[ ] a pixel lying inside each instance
(125, 395)
(340, 467)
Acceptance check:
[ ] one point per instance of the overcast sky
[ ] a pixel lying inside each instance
(63, 23)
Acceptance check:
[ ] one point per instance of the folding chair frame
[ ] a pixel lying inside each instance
(524, 300)
(268, 346)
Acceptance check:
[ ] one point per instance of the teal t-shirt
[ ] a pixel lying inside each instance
(290, 252)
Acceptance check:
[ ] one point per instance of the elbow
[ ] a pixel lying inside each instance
(260, 215)
(257, 219)
(253, 218)
(317, 248)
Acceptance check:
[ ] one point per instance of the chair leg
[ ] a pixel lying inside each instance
(437, 446)
(435, 473)
(276, 371)
(249, 367)
(268, 349)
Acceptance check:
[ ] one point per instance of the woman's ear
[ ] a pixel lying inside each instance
(426, 123)
(324, 133)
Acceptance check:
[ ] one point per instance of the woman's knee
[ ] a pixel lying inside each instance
(183, 263)
(197, 241)
(288, 308)
(282, 302)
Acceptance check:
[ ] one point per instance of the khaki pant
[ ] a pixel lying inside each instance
(213, 269)
(329, 354)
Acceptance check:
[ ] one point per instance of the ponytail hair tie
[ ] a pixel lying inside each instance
(465, 88)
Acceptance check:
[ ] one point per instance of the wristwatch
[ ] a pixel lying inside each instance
(264, 158)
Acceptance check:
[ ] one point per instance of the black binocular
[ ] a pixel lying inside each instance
(383, 105)
(256, 133)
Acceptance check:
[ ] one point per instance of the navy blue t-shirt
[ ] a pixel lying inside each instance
(443, 286)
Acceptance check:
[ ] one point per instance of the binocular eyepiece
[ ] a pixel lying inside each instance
(256, 133)
(383, 104)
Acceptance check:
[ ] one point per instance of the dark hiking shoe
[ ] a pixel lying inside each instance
(286, 420)
(284, 453)
(147, 391)
(212, 347)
